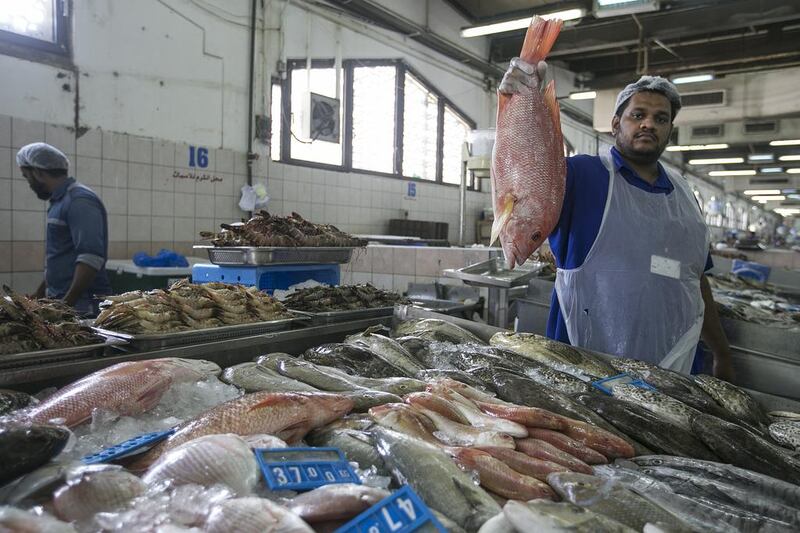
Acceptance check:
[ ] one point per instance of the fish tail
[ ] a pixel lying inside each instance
(552, 105)
(539, 39)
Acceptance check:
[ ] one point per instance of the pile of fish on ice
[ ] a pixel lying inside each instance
(497, 437)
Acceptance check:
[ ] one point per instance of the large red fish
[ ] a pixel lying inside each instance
(528, 166)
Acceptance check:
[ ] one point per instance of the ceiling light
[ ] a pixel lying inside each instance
(733, 173)
(716, 161)
(771, 170)
(583, 95)
(693, 79)
(751, 192)
(762, 201)
(518, 24)
(786, 211)
(759, 157)
(793, 171)
(789, 158)
(770, 198)
(692, 147)
(789, 142)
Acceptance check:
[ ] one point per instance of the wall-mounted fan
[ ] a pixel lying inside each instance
(323, 116)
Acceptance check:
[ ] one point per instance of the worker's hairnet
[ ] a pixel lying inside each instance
(650, 83)
(42, 156)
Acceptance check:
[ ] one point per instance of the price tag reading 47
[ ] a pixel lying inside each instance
(304, 468)
(402, 512)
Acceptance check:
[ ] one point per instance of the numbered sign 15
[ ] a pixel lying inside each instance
(198, 156)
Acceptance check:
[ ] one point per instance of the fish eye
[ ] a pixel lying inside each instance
(536, 235)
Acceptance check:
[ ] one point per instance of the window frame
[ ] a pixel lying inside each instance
(348, 67)
(58, 53)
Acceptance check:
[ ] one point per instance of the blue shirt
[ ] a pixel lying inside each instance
(77, 232)
(584, 203)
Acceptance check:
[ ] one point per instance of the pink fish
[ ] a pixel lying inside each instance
(528, 166)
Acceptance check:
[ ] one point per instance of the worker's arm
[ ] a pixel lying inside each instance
(714, 336)
(87, 226)
(81, 280)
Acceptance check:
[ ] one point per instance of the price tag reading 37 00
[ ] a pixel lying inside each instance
(304, 468)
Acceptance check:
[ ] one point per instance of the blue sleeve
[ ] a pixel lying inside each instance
(87, 227)
(709, 263)
(559, 236)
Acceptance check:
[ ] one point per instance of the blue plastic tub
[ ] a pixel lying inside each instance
(266, 278)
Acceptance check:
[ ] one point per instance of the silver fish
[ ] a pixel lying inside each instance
(498, 524)
(92, 491)
(254, 515)
(253, 377)
(543, 515)
(436, 330)
(17, 520)
(335, 502)
(356, 445)
(786, 434)
(389, 350)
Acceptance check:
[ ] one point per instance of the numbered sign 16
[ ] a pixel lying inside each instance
(198, 156)
(401, 512)
(304, 468)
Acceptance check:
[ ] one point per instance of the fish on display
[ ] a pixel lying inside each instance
(389, 350)
(560, 381)
(91, 491)
(524, 463)
(557, 355)
(11, 400)
(128, 388)
(356, 445)
(734, 400)
(497, 524)
(356, 360)
(471, 414)
(25, 447)
(253, 377)
(456, 434)
(335, 502)
(612, 500)
(208, 460)
(498, 477)
(17, 520)
(543, 515)
(646, 427)
(528, 170)
(435, 374)
(403, 418)
(253, 515)
(545, 451)
(286, 415)
(568, 445)
(365, 399)
(741, 447)
(662, 405)
(37, 486)
(436, 479)
(436, 330)
(786, 434)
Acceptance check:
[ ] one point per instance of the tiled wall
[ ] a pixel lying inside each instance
(150, 209)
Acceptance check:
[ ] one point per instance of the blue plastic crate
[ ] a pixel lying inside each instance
(266, 278)
(750, 269)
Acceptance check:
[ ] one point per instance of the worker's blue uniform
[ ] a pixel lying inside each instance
(77, 232)
(584, 203)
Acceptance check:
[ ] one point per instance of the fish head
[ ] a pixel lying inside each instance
(524, 233)
(580, 489)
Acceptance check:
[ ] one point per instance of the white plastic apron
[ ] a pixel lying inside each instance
(637, 293)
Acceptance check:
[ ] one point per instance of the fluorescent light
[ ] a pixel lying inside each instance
(716, 161)
(518, 24)
(752, 192)
(762, 201)
(732, 173)
(604, 3)
(793, 171)
(789, 158)
(583, 95)
(693, 79)
(789, 142)
(772, 170)
(692, 147)
(786, 211)
(760, 157)
(770, 198)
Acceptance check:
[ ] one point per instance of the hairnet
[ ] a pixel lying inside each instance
(650, 83)
(42, 156)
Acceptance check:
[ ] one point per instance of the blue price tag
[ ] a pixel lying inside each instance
(401, 512)
(129, 447)
(606, 385)
(304, 468)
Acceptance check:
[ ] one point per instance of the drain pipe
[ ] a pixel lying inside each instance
(250, 155)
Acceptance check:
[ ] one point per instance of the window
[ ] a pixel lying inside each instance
(276, 121)
(455, 135)
(374, 100)
(420, 130)
(34, 29)
(322, 81)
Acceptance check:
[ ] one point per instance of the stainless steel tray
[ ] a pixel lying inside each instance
(155, 341)
(268, 255)
(447, 307)
(87, 351)
(494, 273)
(330, 317)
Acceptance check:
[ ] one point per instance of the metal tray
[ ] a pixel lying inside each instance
(268, 255)
(87, 351)
(494, 273)
(331, 317)
(448, 307)
(155, 341)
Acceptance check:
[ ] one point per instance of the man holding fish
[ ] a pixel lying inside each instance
(628, 236)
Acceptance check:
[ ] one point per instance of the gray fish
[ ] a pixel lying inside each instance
(389, 350)
(12, 400)
(89, 492)
(646, 427)
(734, 400)
(365, 399)
(433, 374)
(741, 447)
(253, 377)
(786, 434)
(560, 356)
(611, 500)
(25, 447)
(396, 385)
(436, 330)
(352, 359)
(436, 479)
(316, 376)
(36, 487)
(749, 481)
(335, 502)
(17, 520)
(497, 524)
(662, 405)
(356, 445)
(543, 515)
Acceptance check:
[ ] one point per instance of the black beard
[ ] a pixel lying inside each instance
(41, 193)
